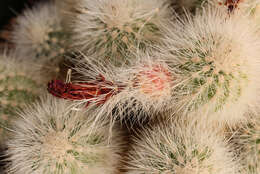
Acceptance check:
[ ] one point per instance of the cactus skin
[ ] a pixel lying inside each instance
(18, 86)
(114, 28)
(179, 149)
(38, 34)
(53, 137)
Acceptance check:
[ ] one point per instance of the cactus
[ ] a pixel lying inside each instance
(214, 65)
(19, 85)
(248, 142)
(38, 34)
(114, 28)
(180, 74)
(53, 136)
(180, 150)
(207, 68)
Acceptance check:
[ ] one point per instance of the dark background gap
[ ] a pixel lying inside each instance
(10, 9)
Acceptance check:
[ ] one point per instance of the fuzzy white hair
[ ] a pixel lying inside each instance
(113, 28)
(215, 65)
(55, 136)
(38, 33)
(67, 10)
(180, 149)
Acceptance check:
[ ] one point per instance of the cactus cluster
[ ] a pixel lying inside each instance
(153, 87)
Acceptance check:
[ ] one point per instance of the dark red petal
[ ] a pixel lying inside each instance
(98, 92)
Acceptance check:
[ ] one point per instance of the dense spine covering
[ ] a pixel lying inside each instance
(53, 136)
(180, 150)
(196, 67)
(38, 34)
(206, 66)
(247, 141)
(19, 85)
(214, 65)
(114, 28)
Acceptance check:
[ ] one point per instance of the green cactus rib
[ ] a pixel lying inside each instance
(181, 151)
(253, 156)
(23, 90)
(118, 42)
(198, 72)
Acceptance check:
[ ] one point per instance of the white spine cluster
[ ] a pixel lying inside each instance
(180, 150)
(113, 28)
(54, 137)
(38, 34)
(215, 65)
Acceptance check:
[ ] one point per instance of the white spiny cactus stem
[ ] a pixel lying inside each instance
(38, 34)
(171, 149)
(54, 137)
(215, 65)
(113, 28)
